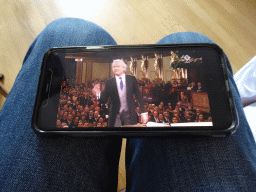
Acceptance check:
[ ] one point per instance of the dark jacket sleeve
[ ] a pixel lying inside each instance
(105, 93)
(138, 94)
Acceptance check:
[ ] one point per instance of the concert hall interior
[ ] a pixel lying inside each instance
(171, 83)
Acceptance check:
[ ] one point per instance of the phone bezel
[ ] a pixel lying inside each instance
(218, 130)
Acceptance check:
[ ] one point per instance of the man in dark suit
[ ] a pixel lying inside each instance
(120, 89)
(155, 117)
(167, 118)
(161, 118)
(70, 122)
(200, 88)
(180, 108)
(90, 118)
(84, 99)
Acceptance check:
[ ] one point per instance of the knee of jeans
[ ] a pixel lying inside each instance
(185, 37)
(75, 32)
(62, 24)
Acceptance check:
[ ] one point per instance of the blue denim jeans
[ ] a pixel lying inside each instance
(33, 163)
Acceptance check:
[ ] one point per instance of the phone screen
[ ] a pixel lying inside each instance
(171, 83)
(171, 87)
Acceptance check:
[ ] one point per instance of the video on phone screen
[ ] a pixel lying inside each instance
(158, 88)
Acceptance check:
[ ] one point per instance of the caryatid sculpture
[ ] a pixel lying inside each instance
(144, 66)
(158, 66)
(133, 66)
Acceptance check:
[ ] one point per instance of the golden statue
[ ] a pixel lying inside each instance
(174, 74)
(143, 66)
(157, 66)
(132, 66)
(173, 57)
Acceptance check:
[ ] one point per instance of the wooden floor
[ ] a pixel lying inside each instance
(230, 23)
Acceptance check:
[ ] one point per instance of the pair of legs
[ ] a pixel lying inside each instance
(32, 163)
(122, 119)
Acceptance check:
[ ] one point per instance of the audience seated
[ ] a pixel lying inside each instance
(79, 108)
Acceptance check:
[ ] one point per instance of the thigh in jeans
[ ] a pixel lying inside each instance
(194, 164)
(33, 163)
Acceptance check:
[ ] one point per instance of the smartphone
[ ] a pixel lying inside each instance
(170, 89)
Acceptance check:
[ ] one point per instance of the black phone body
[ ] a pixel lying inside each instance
(183, 78)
